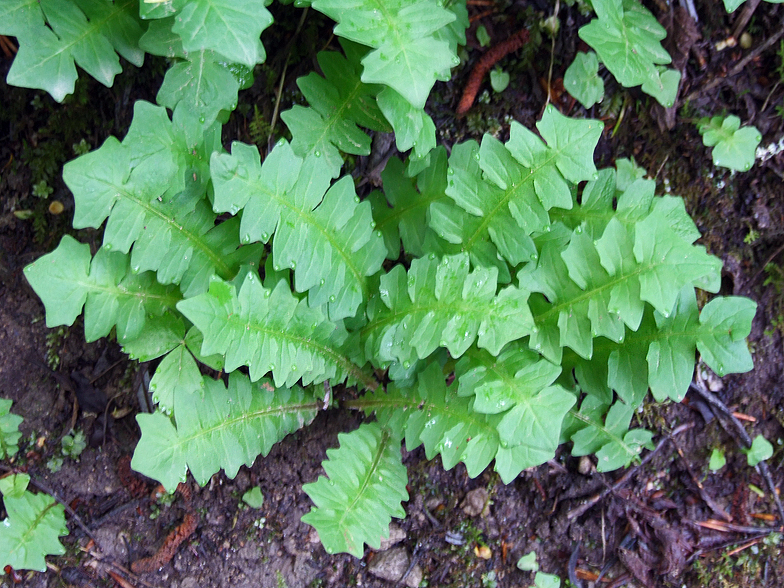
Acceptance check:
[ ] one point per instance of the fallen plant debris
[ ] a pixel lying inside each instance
(173, 540)
(485, 64)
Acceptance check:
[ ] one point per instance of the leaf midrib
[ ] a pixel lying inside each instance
(222, 268)
(93, 26)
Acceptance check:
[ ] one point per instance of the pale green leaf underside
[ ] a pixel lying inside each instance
(53, 34)
(268, 331)
(323, 233)
(224, 428)
(31, 531)
(363, 490)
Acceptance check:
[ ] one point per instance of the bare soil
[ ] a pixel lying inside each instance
(458, 531)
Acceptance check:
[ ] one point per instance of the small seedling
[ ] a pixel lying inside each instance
(482, 36)
(733, 147)
(542, 580)
(253, 497)
(760, 450)
(499, 80)
(528, 563)
(717, 460)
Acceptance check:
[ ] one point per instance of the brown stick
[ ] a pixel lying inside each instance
(485, 64)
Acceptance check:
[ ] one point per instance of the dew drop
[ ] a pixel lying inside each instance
(201, 119)
(317, 153)
(332, 298)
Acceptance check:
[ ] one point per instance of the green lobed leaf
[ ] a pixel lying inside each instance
(511, 188)
(406, 54)
(9, 430)
(412, 126)
(67, 279)
(401, 212)
(229, 27)
(499, 383)
(339, 102)
(445, 423)
(224, 428)
(664, 87)
(442, 304)
(31, 529)
(160, 335)
(530, 431)
(517, 384)
(660, 354)
(733, 147)
(596, 279)
(197, 89)
(627, 38)
(323, 233)
(760, 450)
(151, 189)
(613, 443)
(363, 490)
(176, 376)
(268, 331)
(54, 35)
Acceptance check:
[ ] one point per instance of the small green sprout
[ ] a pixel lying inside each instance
(499, 79)
(733, 147)
(717, 460)
(253, 497)
(760, 450)
(528, 563)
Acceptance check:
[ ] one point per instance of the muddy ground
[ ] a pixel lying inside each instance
(458, 531)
